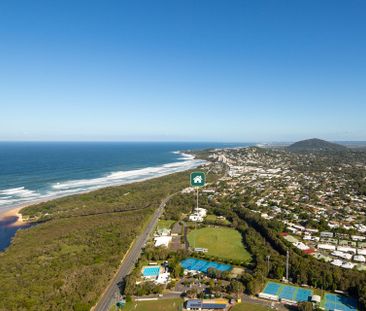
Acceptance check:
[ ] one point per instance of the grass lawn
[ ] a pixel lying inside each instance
(246, 306)
(211, 217)
(161, 305)
(162, 223)
(221, 242)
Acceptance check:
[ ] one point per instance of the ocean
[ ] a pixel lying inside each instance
(31, 171)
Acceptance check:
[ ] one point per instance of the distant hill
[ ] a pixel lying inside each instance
(315, 145)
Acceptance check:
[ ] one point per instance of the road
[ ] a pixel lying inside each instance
(129, 261)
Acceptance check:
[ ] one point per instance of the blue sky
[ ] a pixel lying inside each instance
(182, 70)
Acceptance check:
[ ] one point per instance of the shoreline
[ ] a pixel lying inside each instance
(14, 210)
(12, 213)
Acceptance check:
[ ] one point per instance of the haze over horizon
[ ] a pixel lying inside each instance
(182, 71)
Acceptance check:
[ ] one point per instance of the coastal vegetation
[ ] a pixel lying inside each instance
(66, 260)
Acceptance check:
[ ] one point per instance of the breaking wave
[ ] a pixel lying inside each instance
(14, 196)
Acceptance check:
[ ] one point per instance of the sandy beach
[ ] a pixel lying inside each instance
(13, 216)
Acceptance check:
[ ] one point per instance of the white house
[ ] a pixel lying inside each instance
(342, 255)
(328, 247)
(361, 251)
(337, 262)
(346, 249)
(359, 258)
(301, 246)
(348, 265)
(358, 238)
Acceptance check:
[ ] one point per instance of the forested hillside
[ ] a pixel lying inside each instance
(66, 260)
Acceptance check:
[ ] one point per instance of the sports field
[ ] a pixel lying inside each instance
(161, 305)
(289, 292)
(220, 241)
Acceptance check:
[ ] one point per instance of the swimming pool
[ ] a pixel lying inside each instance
(203, 265)
(151, 271)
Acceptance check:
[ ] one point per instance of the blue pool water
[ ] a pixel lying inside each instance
(203, 265)
(151, 271)
(339, 302)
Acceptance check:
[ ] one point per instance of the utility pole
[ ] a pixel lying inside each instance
(268, 257)
(195, 228)
(197, 180)
(287, 263)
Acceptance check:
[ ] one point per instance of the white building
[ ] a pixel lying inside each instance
(301, 246)
(361, 251)
(358, 238)
(326, 234)
(346, 249)
(342, 255)
(337, 262)
(162, 240)
(195, 218)
(359, 258)
(163, 278)
(327, 247)
(348, 265)
(198, 215)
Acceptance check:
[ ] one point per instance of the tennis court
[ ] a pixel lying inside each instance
(289, 292)
(339, 302)
(203, 265)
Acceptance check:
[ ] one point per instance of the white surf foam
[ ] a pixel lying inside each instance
(122, 177)
(9, 197)
(17, 192)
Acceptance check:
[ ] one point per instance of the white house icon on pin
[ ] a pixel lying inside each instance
(197, 180)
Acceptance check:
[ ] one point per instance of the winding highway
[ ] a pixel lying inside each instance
(129, 261)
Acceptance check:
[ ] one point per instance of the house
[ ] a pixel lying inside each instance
(309, 251)
(357, 238)
(346, 249)
(342, 255)
(348, 265)
(301, 246)
(359, 258)
(361, 251)
(337, 262)
(328, 247)
(326, 234)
